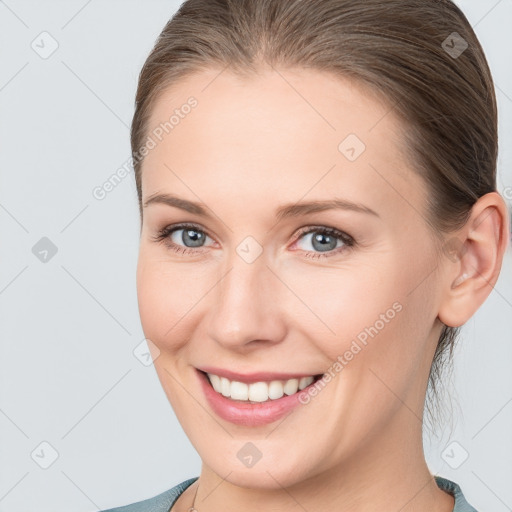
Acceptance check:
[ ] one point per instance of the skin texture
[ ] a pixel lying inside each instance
(247, 148)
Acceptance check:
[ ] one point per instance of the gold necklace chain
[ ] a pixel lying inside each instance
(192, 508)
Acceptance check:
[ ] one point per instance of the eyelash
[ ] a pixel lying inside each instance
(163, 237)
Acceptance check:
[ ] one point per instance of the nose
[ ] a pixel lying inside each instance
(246, 313)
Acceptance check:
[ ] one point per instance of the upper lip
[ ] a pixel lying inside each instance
(253, 376)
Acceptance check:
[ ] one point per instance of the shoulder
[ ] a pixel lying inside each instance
(160, 503)
(461, 505)
(164, 501)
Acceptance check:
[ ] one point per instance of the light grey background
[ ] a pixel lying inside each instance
(68, 374)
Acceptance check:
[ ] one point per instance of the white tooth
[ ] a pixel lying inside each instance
(291, 386)
(258, 391)
(225, 386)
(239, 390)
(215, 380)
(305, 382)
(275, 390)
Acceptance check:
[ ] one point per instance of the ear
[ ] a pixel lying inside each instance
(472, 259)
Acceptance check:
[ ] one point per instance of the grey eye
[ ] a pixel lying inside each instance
(190, 237)
(320, 241)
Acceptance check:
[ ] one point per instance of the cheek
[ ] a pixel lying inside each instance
(340, 304)
(171, 296)
(165, 302)
(161, 295)
(365, 313)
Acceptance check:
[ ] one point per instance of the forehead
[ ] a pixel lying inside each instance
(281, 134)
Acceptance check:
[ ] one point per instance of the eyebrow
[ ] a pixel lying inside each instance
(283, 212)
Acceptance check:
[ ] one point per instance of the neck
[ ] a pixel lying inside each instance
(388, 475)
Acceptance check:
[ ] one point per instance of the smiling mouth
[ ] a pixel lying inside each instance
(261, 391)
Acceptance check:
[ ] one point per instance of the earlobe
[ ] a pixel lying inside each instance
(472, 274)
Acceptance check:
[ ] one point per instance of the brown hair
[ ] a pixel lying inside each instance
(421, 57)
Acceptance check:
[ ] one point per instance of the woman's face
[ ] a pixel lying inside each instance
(256, 285)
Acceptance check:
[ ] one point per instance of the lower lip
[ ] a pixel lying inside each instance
(245, 413)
